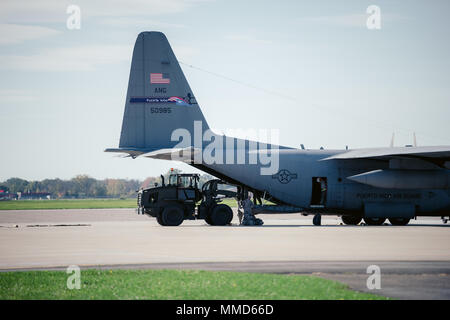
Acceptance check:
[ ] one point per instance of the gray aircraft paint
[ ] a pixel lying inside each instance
(148, 133)
(141, 129)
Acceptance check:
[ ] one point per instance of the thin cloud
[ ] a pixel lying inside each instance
(15, 11)
(184, 52)
(246, 38)
(11, 95)
(144, 22)
(351, 20)
(82, 58)
(15, 33)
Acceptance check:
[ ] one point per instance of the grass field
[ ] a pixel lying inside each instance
(172, 284)
(67, 204)
(77, 204)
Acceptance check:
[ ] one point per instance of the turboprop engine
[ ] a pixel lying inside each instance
(405, 179)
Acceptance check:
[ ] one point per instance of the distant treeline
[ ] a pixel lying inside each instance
(83, 186)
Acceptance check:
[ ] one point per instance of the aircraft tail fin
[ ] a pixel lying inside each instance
(159, 99)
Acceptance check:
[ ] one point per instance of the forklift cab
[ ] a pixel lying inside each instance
(184, 180)
(186, 186)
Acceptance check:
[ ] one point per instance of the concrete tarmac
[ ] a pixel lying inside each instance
(414, 259)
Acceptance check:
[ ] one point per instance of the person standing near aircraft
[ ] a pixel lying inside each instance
(249, 218)
(240, 213)
(323, 190)
(247, 205)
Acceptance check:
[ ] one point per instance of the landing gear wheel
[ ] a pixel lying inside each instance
(374, 221)
(221, 215)
(317, 220)
(351, 220)
(399, 221)
(172, 215)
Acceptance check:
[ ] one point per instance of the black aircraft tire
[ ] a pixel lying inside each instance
(172, 215)
(221, 215)
(317, 220)
(351, 220)
(399, 221)
(374, 221)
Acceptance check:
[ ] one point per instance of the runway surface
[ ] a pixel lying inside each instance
(414, 259)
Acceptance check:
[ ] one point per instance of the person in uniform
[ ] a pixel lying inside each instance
(240, 213)
(249, 217)
(247, 205)
(323, 190)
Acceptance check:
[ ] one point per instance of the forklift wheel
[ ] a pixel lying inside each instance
(208, 220)
(159, 219)
(172, 215)
(221, 215)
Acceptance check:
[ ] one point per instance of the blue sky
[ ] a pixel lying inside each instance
(62, 92)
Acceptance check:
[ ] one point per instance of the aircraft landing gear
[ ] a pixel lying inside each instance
(399, 221)
(445, 219)
(317, 220)
(374, 221)
(351, 220)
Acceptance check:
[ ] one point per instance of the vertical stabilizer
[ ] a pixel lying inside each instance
(159, 99)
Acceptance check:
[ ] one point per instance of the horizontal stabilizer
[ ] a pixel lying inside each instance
(178, 154)
(131, 152)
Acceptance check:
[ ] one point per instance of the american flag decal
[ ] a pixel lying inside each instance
(159, 78)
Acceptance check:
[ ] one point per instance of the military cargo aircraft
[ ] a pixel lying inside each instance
(163, 120)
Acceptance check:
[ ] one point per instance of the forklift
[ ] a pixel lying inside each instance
(176, 201)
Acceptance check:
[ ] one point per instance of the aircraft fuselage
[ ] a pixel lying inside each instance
(294, 184)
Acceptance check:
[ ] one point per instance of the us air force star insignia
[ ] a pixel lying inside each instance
(284, 176)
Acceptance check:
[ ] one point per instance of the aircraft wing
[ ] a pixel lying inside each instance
(438, 155)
